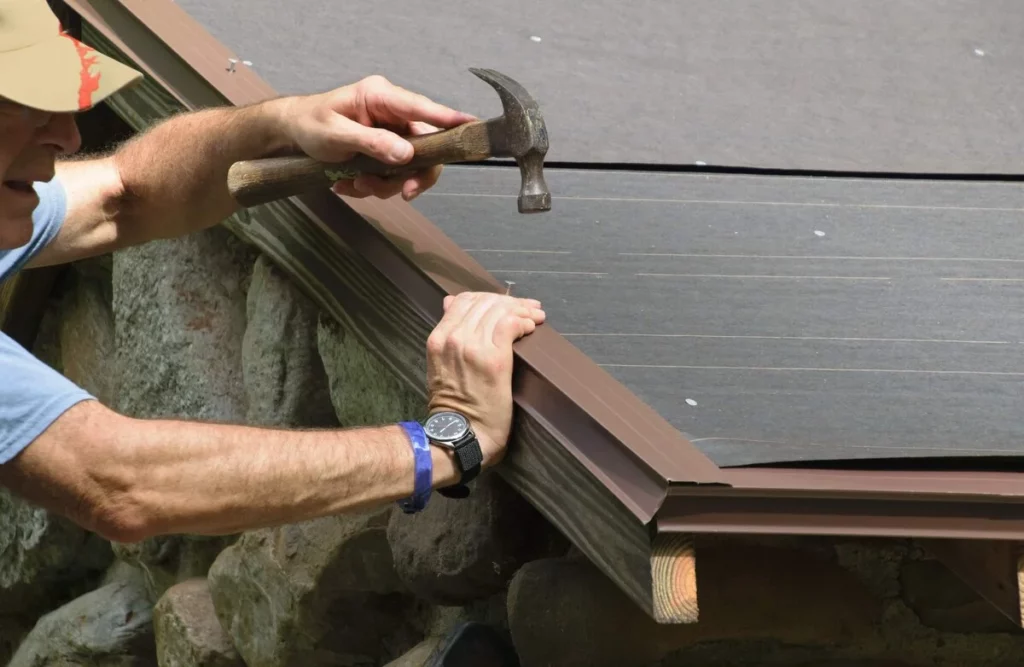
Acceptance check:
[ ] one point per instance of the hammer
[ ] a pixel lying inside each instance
(519, 133)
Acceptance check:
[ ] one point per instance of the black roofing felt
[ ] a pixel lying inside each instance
(876, 85)
(775, 318)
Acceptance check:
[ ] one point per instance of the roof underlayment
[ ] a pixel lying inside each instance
(873, 85)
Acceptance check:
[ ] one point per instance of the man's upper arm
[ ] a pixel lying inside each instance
(91, 189)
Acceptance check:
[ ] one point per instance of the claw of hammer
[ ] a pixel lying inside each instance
(520, 133)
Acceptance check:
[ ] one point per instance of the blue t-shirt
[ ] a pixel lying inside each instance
(32, 394)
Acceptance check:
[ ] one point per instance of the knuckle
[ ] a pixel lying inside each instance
(435, 343)
(496, 366)
(509, 324)
(375, 82)
(457, 342)
(378, 142)
(474, 357)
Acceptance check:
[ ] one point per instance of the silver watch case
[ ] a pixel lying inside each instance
(446, 428)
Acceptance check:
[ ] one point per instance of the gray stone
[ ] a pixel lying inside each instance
(179, 319)
(322, 590)
(168, 559)
(364, 390)
(122, 571)
(284, 376)
(43, 557)
(109, 627)
(566, 612)
(459, 550)
(87, 330)
(187, 631)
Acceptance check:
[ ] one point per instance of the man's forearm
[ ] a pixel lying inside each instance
(129, 479)
(174, 175)
(217, 479)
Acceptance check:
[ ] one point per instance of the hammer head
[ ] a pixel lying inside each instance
(521, 134)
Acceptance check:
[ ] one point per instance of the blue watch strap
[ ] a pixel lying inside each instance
(424, 468)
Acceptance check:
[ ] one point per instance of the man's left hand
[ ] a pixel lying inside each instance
(370, 117)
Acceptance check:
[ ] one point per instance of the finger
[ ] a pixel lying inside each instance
(420, 182)
(508, 327)
(344, 136)
(448, 301)
(530, 303)
(533, 309)
(455, 313)
(390, 102)
(345, 187)
(376, 186)
(475, 315)
(417, 128)
(508, 310)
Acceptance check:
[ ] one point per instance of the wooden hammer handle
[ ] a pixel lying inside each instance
(253, 182)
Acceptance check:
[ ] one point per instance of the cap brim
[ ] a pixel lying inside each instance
(62, 75)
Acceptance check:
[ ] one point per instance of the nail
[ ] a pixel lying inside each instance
(508, 288)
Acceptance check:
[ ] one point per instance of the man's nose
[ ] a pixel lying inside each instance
(61, 131)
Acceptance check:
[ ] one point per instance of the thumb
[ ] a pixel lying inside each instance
(376, 142)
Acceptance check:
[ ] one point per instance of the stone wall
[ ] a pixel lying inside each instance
(206, 328)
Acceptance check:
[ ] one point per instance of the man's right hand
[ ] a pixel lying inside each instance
(469, 362)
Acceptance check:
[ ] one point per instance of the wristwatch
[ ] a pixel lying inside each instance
(451, 430)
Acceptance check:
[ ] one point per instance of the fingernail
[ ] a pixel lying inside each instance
(401, 150)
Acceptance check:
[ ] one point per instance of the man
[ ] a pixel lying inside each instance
(128, 479)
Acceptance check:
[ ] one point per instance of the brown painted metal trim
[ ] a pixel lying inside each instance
(621, 440)
(875, 483)
(830, 516)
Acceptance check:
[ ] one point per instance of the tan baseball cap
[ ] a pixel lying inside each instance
(44, 68)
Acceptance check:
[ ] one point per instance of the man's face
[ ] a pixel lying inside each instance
(30, 142)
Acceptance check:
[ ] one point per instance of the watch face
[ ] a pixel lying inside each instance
(446, 426)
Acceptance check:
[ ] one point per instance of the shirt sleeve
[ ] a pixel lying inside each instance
(46, 223)
(32, 394)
